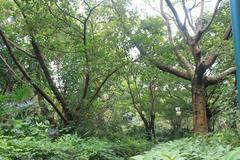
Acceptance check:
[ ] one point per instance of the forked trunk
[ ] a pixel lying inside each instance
(149, 126)
(200, 124)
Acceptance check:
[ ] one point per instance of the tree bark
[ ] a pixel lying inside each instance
(5, 88)
(152, 125)
(49, 79)
(199, 108)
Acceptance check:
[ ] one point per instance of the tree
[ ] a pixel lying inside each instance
(196, 62)
(196, 73)
(66, 39)
(142, 87)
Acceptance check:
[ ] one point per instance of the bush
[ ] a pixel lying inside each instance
(126, 146)
(66, 147)
(71, 147)
(213, 147)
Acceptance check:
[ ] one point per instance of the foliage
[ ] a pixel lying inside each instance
(235, 154)
(66, 147)
(126, 146)
(213, 147)
(70, 147)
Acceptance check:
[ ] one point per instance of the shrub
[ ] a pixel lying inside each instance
(66, 147)
(126, 146)
(213, 147)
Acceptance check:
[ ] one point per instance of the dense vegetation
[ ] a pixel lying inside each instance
(117, 79)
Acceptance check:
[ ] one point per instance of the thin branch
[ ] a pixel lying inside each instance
(203, 30)
(201, 13)
(91, 9)
(69, 14)
(87, 76)
(11, 69)
(28, 78)
(135, 105)
(64, 21)
(187, 15)
(101, 85)
(213, 16)
(20, 49)
(107, 77)
(179, 23)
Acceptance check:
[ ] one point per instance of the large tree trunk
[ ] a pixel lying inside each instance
(200, 124)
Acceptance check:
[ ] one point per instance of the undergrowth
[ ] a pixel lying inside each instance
(213, 147)
(69, 147)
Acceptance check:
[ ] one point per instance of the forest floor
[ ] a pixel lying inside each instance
(216, 146)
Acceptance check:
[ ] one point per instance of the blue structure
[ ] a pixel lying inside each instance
(235, 13)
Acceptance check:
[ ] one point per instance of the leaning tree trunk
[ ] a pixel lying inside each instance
(200, 124)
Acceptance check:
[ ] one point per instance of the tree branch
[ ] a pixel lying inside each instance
(20, 49)
(201, 14)
(69, 14)
(28, 78)
(211, 80)
(182, 28)
(171, 70)
(213, 16)
(11, 69)
(87, 75)
(187, 15)
(101, 85)
(209, 60)
(43, 66)
(227, 33)
(203, 30)
(186, 64)
(48, 76)
(146, 124)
